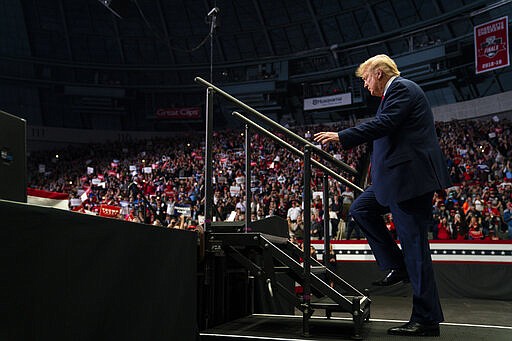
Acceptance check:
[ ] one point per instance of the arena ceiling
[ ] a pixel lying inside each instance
(159, 32)
(153, 49)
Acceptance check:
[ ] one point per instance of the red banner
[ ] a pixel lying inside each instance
(170, 193)
(47, 194)
(109, 211)
(491, 45)
(189, 113)
(47, 198)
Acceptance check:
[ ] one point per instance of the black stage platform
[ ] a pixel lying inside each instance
(466, 319)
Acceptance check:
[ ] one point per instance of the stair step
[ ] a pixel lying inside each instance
(317, 270)
(327, 303)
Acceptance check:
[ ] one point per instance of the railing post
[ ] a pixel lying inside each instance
(277, 126)
(248, 193)
(294, 150)
(306, 295)
(327, 220)
(208, 196)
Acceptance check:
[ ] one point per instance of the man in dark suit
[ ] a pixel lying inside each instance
(407, 167)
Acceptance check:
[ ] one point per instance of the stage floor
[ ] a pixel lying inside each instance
(465, 319)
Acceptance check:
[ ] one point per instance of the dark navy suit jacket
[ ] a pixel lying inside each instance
(406, 160)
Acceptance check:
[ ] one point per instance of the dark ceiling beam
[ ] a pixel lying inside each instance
(335, 55)
(66, 30)
(395, 14)
(411, 29)
(119, 40)
(32, 34)
(166, 30)
(377, 24)
(358, 27)
(354, 18)
(287, 38)
(314, 17)
(264, 27)
(239, 23)
(410, 41)
(416, 11)
(439, 10)
(116, 30)
(418, 19)
(236, 17)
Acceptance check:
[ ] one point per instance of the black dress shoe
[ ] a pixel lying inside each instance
(415, 329)
(393, 277)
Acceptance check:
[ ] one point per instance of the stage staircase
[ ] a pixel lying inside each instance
(265, 256)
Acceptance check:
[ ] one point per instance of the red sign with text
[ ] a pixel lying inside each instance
(491, 45)
(109, 211)
(190, 113)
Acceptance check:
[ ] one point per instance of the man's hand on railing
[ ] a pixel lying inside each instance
(326, 136)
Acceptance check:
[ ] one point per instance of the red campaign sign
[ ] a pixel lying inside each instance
(189, 113)
(170, 193)
(109, 211)
(491, 45)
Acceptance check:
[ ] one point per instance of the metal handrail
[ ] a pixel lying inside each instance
(323, 154)
(309, 148)
(295, 150)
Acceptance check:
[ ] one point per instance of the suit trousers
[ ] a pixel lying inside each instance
(412, 219)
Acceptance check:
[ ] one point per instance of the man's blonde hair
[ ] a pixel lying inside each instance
(380, 61)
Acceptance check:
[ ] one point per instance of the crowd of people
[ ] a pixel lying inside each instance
(161, 181)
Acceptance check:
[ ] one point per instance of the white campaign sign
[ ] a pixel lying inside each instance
(327, 101)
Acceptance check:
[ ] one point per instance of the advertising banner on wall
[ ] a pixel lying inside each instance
(491, 45)
(188, 113)
(323, 102)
